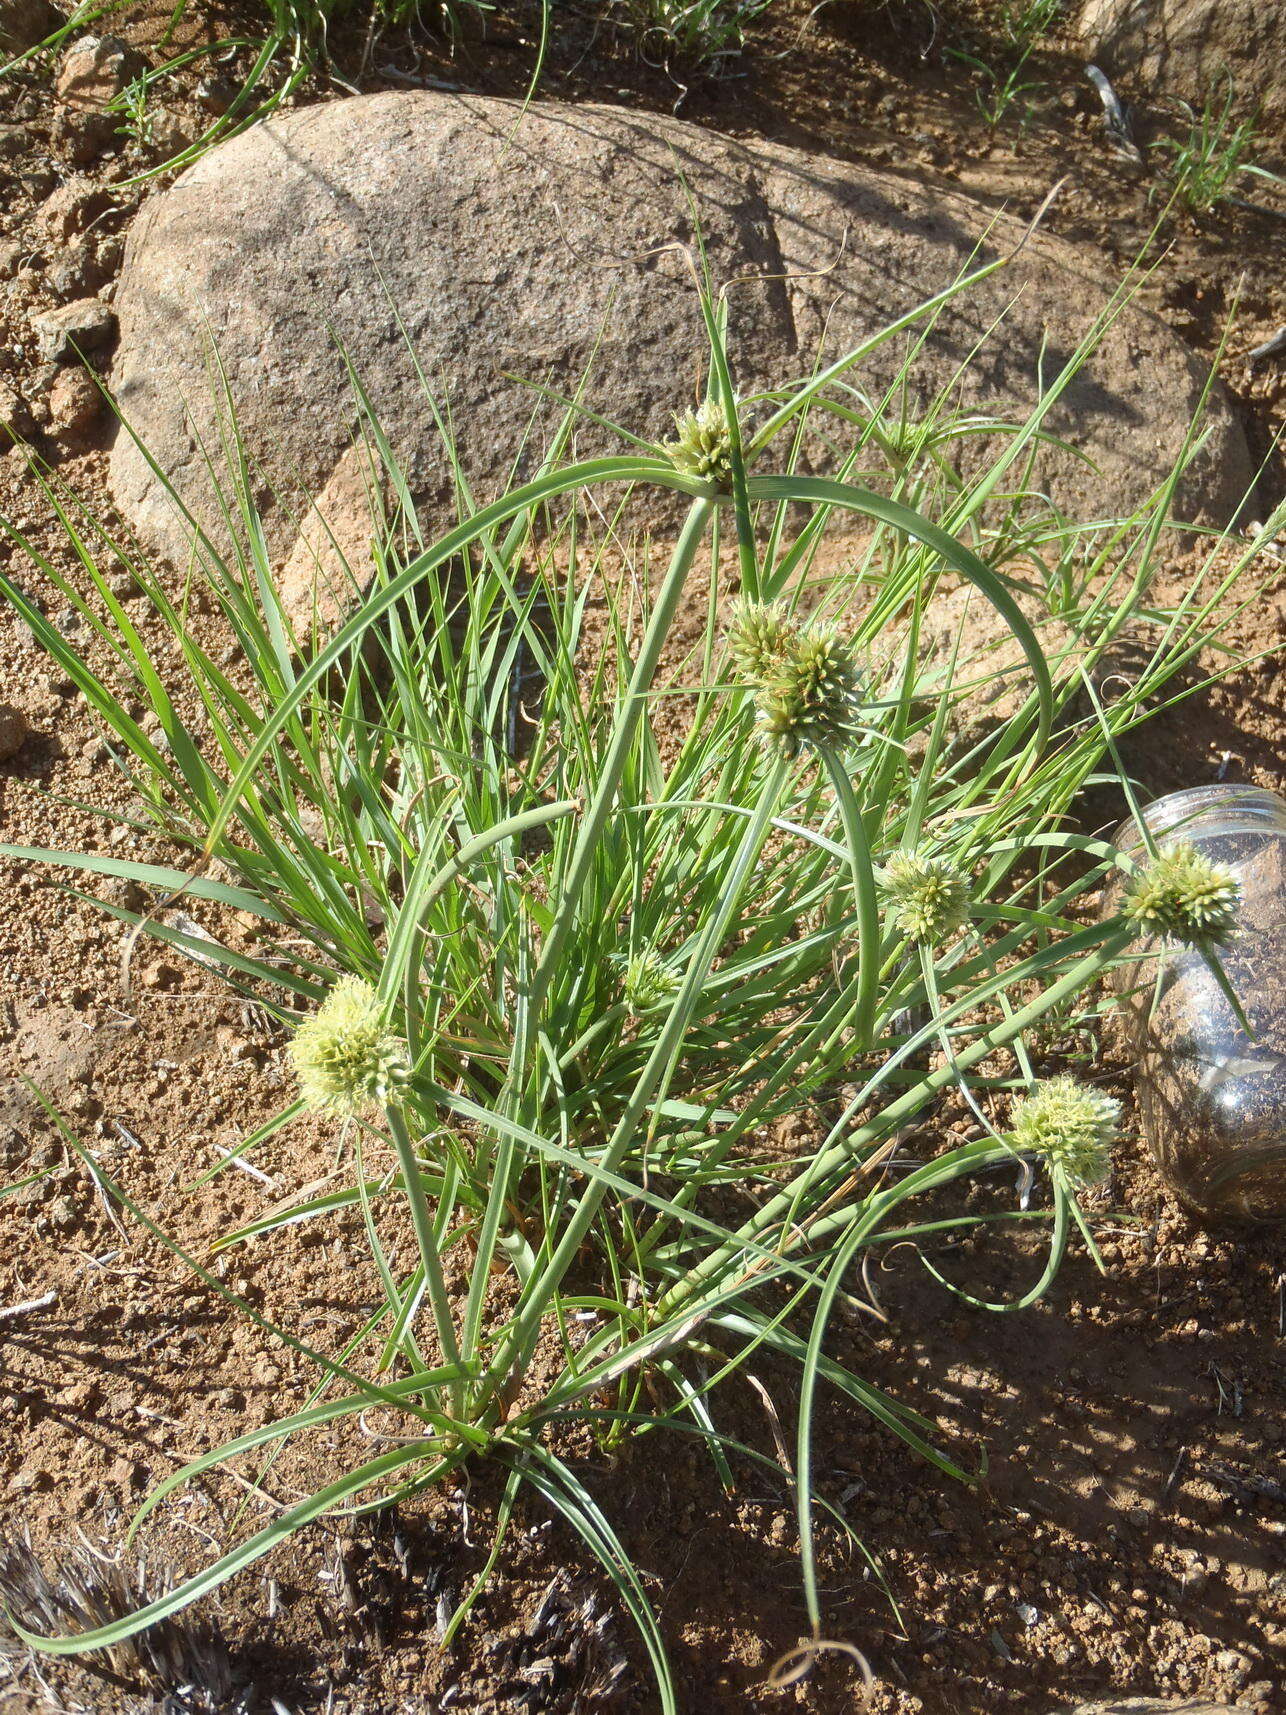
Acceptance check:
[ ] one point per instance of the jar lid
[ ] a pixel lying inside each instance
(1207, 810)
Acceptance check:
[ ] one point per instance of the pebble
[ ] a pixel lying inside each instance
(94, 70)
(13, 731)
(15, 415)
(74, 206)
(216, 94)
(77, 271)
(75, 405)
(86, 325)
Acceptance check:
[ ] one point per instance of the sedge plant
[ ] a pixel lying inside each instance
(554, 967)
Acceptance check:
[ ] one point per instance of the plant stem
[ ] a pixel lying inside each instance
(422, 1218)
(868, 905)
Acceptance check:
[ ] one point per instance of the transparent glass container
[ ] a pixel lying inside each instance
(1211, 1095)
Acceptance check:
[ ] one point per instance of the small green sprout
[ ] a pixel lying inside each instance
(1070, 1126)
(648, 983)
(344, 1056)
(1184, 898)
(703, 446)
(928, 896)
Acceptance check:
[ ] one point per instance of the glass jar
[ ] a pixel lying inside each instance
(1211, 1095)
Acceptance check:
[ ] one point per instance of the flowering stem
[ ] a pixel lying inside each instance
(422, 1218)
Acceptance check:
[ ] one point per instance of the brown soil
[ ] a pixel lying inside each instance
(1130, 1531)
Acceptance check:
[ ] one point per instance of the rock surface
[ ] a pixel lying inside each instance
(1185, 47)
(330, 562)
(533, 244)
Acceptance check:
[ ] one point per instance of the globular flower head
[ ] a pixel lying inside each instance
(344, 1056)
(928, 896)
(761, 636)
(812, 696)
(1070, 1126)
(703, 444)
(648, 983)
(1185, 898)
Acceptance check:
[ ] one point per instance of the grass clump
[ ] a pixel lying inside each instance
(1001, 70)
(563, 968)
(1207, 166)
(693, 34)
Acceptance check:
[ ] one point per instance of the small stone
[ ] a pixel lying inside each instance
(75, 405)
(216, 94)
(38, 183)
(76, 271)
(13, 731)
(86, 326)
(72, 208)
(26, 23)
(15, 415)
(93, 72)
(170, 133)
(234, 1045)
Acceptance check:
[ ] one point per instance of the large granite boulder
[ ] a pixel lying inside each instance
(536, 244)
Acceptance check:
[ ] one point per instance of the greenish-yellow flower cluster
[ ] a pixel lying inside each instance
(928, 896)
(1070, 1126)
(345, 1056)
(1184, 897)
(702, 446)
(649, 983)
(806, 676)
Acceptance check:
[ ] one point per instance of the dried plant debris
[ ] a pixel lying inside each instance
(566, 1658)
(1116, 118)
(180, 1665)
